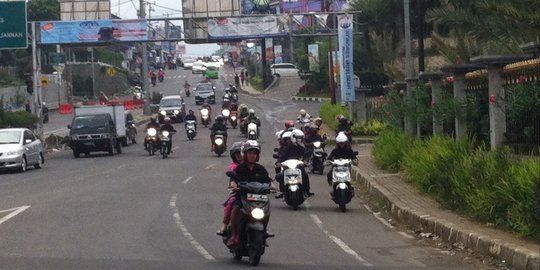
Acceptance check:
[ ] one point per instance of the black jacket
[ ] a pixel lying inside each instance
(218, 126)
(292, 151)
(345, 153)
(168, 127)
(190, 117)
(258, 174)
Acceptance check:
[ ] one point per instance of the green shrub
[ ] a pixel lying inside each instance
(370, 128)
(256, 82)
(389, 148)
(17, 119)
(328, 113)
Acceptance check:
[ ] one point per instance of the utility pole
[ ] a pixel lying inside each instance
(36, 67)
(144, 69)
(410, 127)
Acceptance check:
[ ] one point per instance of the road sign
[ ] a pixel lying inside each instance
(44, 82)
(111, 71)
(57, 58)
(13, 25)
(59, 68)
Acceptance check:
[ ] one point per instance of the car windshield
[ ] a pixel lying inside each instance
(204, 87)
(170, 103)
(10, 136)
(83, 122)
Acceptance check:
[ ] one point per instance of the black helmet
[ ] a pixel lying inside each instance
(219, 118)
(235, 148)
(249, 145)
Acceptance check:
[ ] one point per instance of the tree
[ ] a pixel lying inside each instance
(43, 10)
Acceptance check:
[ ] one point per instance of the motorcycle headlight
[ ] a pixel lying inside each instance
(257, 213)
(133, 125)
(204, 112)
(219, 141)
(317, 144)
(165, 133)
(176, 111)
(293, 181)
(163, 113)
(233, 118)
(225, 113)
(152, 132)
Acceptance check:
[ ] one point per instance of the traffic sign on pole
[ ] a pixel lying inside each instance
(57, 58)
(13, 25)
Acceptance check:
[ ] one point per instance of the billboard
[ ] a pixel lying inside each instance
(313, 57)
(85, 10)
(60, 32)
(278, 54)
(13, 25)
(198, 12)
(227, 28)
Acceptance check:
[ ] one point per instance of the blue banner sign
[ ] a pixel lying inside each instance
(92, 31)
(345, 40)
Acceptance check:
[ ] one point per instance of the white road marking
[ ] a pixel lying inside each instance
(187, 179)
(209, 166)
(340, 242)
(406, 235)
(187, 234)
(16, 211)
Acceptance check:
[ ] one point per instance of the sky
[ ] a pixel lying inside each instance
(127, 9)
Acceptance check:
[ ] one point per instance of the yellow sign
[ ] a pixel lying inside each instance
(111, 72)
(44, 82)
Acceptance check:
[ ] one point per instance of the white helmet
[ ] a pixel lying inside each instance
(302, 112)
(296, 134)
(251, 111)
(341, 137)
(278, 134)
(286, 134)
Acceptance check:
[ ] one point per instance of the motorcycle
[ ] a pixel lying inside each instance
(187, 91)
(151, 141)
(233, 119)
(252, 131)
(160, 78)
(292, 178)
(318, 157)
(153, 80)
(205, 117)
(226, 113)
(303, 123)
(131, 132)
(253, 216)
(220, 145)
(165, 139)
(342, 190)
(191, 132)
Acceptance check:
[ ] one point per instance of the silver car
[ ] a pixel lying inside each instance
(20, 148)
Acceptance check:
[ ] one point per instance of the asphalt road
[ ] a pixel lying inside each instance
(132, 211)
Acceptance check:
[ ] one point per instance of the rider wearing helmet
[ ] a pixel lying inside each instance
(304, 116)
(248, 171)
(152, 124)
(236, 155)
(219, 125)
(342, 150)
(294, 150)
(205, 105)
(190, 117)
(310, 139)
(289, 125)
(168, 127)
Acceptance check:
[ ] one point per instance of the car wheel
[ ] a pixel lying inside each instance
(40, 161)
(76, 153)
(111, 149)
(23, 165)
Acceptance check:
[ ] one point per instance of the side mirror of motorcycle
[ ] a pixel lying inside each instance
(275, 156)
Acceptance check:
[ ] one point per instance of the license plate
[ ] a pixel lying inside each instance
(89, 144)
(165, 139)
(256, 197)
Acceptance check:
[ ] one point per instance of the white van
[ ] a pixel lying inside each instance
(284, 70)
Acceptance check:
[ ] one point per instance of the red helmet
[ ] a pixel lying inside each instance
(289, 124)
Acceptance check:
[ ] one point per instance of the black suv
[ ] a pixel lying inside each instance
(93, 132)
(205, 91)
(172, 107)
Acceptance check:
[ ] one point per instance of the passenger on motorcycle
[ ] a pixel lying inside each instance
(219, 125)
(342, 150)
(190, 116)
(152, 124)
(233, 107)
(168, 127)
(312, 136)
(236, 156)
(226, 103)
(294, 150)
(248, 171)
(344, 125)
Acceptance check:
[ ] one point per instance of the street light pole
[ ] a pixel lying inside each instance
(144, 69)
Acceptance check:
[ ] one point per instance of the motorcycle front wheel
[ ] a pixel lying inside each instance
(256, 247)
(342, 196)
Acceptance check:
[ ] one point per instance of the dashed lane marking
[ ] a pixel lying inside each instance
(14, 211)
(187, 179)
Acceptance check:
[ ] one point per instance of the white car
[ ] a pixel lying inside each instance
(188, 63)
(198, 67)
(285, 70)
(20, 148)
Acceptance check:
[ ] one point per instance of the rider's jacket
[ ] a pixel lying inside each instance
(258, 174)
(344, 153)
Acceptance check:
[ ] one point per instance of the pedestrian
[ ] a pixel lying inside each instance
(242, 77)
(236, 79)
(247, 77)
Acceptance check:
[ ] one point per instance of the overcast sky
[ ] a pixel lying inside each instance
(127, 9)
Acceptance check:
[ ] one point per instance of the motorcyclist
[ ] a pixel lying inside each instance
(248, 171)
(253, 118)
(152, 124)
(190, 116)
(233, 106)
(153, 78)
(168, 127)
(236, 156)
(342, 150)
(304, 116)
(344, 125)
(187, 87)
(45, 112)
(312, 137)
(161, 74)
(226, 103)
(205, 105)
(219, 125)
(294, 150)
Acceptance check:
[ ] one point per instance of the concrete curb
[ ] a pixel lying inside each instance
(317, 99)
(518, 257)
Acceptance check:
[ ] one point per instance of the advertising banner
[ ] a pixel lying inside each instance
(226, 28)
(278, 54)
(13, 25)
(269, 45)
(59, 32)
(313, 57)
(345, 44)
